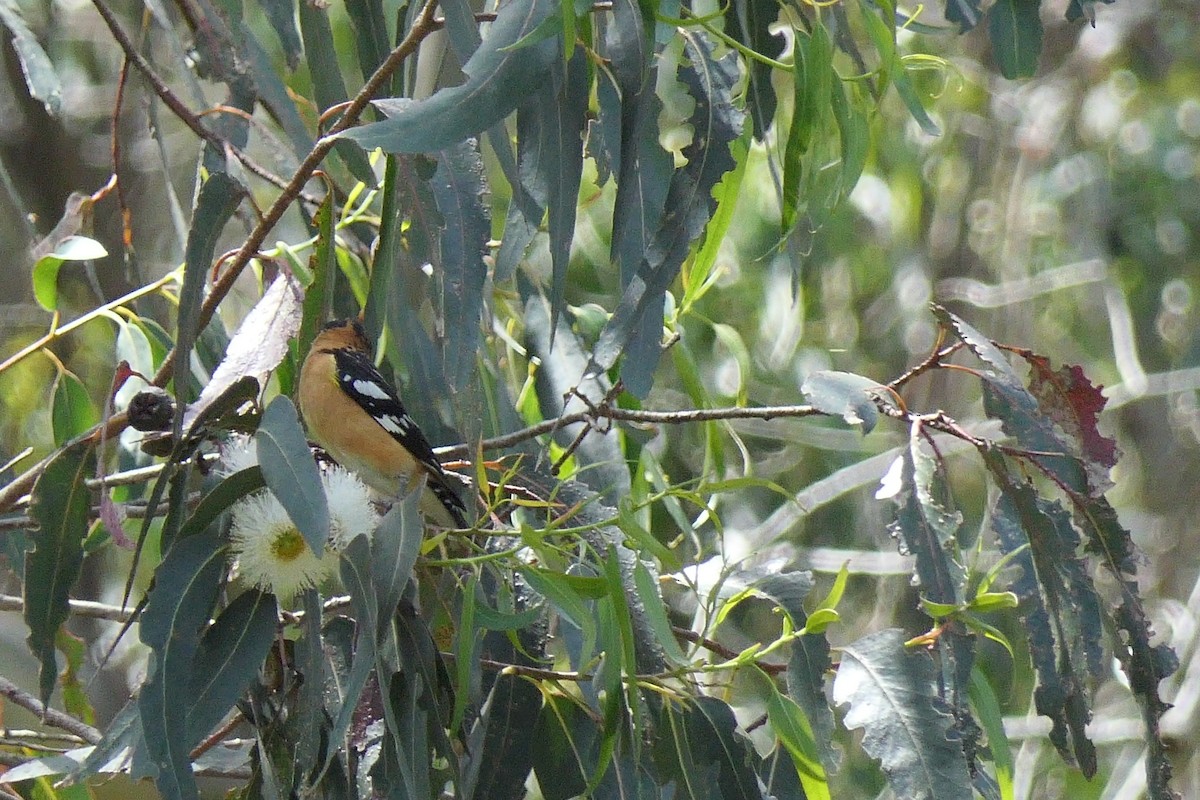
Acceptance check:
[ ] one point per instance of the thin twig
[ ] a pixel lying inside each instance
(80, 608)
(50, 716)
(172, 101)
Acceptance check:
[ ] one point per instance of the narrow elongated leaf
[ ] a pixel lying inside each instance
(272, 92)
(291, 473)
(329, 89)
(925, 527)
(568, 748)
(716, 123)
(318, 296)
(221, 498)
(40, 76)
(395, 546)
(850, 396)
(1060, 608)
(498, 80)
(809, 660)
(370, 33)
(606, 472)
(700, 748)
(750, 23)
(60, 504)
(228, 659)
(179, 605)
(890, 696)
(458, 189)
(1015, 30)
(281, 16)
(796, 733)
(218, 199)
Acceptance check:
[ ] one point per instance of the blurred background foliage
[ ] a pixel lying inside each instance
(1060, 213)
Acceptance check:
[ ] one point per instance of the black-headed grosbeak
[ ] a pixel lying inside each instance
(352, 412)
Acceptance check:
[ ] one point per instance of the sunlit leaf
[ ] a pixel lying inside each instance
(45, 271)
(889, 692)
(850, 396)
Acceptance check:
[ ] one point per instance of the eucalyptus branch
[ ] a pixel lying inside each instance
(50, 716)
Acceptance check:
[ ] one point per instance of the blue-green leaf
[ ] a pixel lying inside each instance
(178, 608)
(71, 410)
(890, 696)
(228, 659)
(498, 80)
(291, 473)
(40, 76)
(850, 396)
(458, 189)
(218, 199)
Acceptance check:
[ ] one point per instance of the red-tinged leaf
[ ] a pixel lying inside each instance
(1074, 402)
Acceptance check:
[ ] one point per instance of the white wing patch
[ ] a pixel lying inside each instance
(369, 389)
(395, 424)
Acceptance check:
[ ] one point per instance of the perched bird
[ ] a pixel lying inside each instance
(352, 412)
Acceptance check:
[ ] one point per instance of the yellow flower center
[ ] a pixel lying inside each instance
(288, 544)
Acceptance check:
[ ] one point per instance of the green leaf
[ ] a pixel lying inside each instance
(850, 396)
(60, 505)
(568, 748)
(71, 411)
(498, 80)
(716, 124)
(291, 473)
(458, 189)
(185, 589)
(318, 295)
(987, 710)
(656, 613)
(281, 16)
(750, 23)
(794, 730)
(40, 76)
(890, 696)
(73, 248)
(1015, 30)
(228, 659)
(370, 33)
(219, 197)
(700, 749)
(329, 89)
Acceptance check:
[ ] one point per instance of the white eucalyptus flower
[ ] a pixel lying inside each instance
(271, 553)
